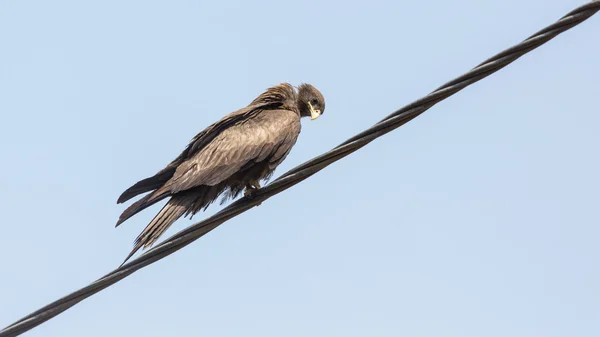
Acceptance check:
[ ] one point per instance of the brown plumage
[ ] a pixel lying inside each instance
(228, 157)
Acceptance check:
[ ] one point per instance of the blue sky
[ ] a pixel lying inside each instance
(478, 218)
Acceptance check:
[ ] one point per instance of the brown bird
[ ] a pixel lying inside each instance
(230, 156)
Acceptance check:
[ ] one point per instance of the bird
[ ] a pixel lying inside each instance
(235, 154)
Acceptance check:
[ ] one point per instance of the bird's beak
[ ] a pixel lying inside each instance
(314, 114)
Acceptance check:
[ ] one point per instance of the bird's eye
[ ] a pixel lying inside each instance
(313, 101)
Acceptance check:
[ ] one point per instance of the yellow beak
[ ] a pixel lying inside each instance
(314, 114)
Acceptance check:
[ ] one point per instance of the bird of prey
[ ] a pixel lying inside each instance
(230, 156)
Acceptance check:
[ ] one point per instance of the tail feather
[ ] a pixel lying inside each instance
(141, 204)
(172, 211)
(148, 184)
(180, 204)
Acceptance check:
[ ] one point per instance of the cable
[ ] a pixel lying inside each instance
(303, 171)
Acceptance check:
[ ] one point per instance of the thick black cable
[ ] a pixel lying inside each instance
(303, 171)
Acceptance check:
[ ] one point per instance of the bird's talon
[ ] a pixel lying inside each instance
(250, 192)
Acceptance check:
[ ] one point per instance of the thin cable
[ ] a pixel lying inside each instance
(303, 171)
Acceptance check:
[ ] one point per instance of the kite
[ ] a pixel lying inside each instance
(232, 155)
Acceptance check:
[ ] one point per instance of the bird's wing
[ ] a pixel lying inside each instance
(197, 143)
(272, 98)
(269, 134)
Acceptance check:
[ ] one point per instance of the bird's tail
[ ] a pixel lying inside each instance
(173, 210)
(148, 184)
(140, 205)
(182, 204)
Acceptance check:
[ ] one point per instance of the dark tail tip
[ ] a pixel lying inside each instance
(122, 199)
(140, 205)
(133, 251)
(130, 193)
(146, 185)
(120, 221)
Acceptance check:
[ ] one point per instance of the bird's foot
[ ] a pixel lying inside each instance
(255, 184)
(251, 189)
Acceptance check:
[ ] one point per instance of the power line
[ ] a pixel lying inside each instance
(303, 171)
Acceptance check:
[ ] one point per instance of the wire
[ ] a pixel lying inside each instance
(303, 171)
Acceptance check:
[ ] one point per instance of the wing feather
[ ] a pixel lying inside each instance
(282, 151)
(265, 134)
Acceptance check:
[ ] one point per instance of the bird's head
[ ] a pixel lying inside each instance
(310, 101)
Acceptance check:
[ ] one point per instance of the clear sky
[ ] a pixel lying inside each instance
(479, 218)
